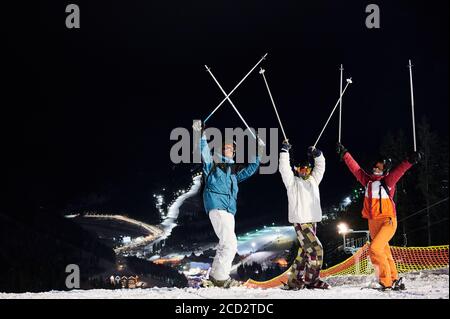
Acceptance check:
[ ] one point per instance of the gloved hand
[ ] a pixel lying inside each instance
(261, 147)
(341, 150)
(197, 126)
(314, 152)
(415, 157)
(285, 146)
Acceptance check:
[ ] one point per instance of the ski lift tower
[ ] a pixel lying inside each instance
(352, 245)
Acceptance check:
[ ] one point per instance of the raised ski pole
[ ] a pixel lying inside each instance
(227, 96)
(229, 100)
(349, 81)
(262, 71)
(340, 104)
(412, 104)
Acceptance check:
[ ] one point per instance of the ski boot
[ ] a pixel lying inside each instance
(206, 283)
(228, 283)
(378, 286)
(398, 284)
(294, 284)
(318, 284)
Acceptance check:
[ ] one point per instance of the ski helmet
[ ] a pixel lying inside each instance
(387, 163)
(304, 168)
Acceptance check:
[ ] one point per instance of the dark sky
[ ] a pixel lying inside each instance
(92, 109)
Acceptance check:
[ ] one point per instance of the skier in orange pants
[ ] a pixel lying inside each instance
(381, 232)
(379, 209)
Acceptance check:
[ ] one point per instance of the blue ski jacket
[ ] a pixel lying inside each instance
(221, 186)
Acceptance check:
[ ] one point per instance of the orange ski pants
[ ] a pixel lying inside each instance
(381, 232)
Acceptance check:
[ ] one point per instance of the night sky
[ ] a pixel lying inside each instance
(90, 110)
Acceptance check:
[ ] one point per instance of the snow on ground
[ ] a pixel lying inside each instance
(420, 285)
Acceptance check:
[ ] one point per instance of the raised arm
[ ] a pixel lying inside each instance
(352, 165)
(204, 148)
(285, 167)
(206, 154)
(356, 170)
(319, 164)
(252, 167)
(248, 171)
(393, 177)
(397, 173)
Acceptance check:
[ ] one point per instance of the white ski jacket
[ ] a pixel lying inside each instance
(303, 195)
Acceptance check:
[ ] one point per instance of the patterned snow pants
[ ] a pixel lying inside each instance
(306, 267)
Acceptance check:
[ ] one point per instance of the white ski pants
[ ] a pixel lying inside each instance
(223, 224)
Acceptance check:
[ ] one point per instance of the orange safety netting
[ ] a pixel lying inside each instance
(406, 258)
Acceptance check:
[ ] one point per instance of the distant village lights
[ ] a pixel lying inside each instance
(159, 202)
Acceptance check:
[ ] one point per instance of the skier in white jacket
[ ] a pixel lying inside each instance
(304, 212)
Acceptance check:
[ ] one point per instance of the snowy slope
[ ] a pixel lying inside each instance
(421, 285)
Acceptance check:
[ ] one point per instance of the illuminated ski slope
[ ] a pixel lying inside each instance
(261, 238)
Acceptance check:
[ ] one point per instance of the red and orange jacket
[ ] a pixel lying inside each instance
(378, 203)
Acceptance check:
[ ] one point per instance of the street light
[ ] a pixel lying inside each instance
(343, 228)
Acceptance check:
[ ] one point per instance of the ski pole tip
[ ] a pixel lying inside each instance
(265, 55)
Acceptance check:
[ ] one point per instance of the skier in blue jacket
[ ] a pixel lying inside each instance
(219, 198)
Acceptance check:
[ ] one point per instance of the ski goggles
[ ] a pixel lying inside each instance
(304, 170)
(229, 148)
